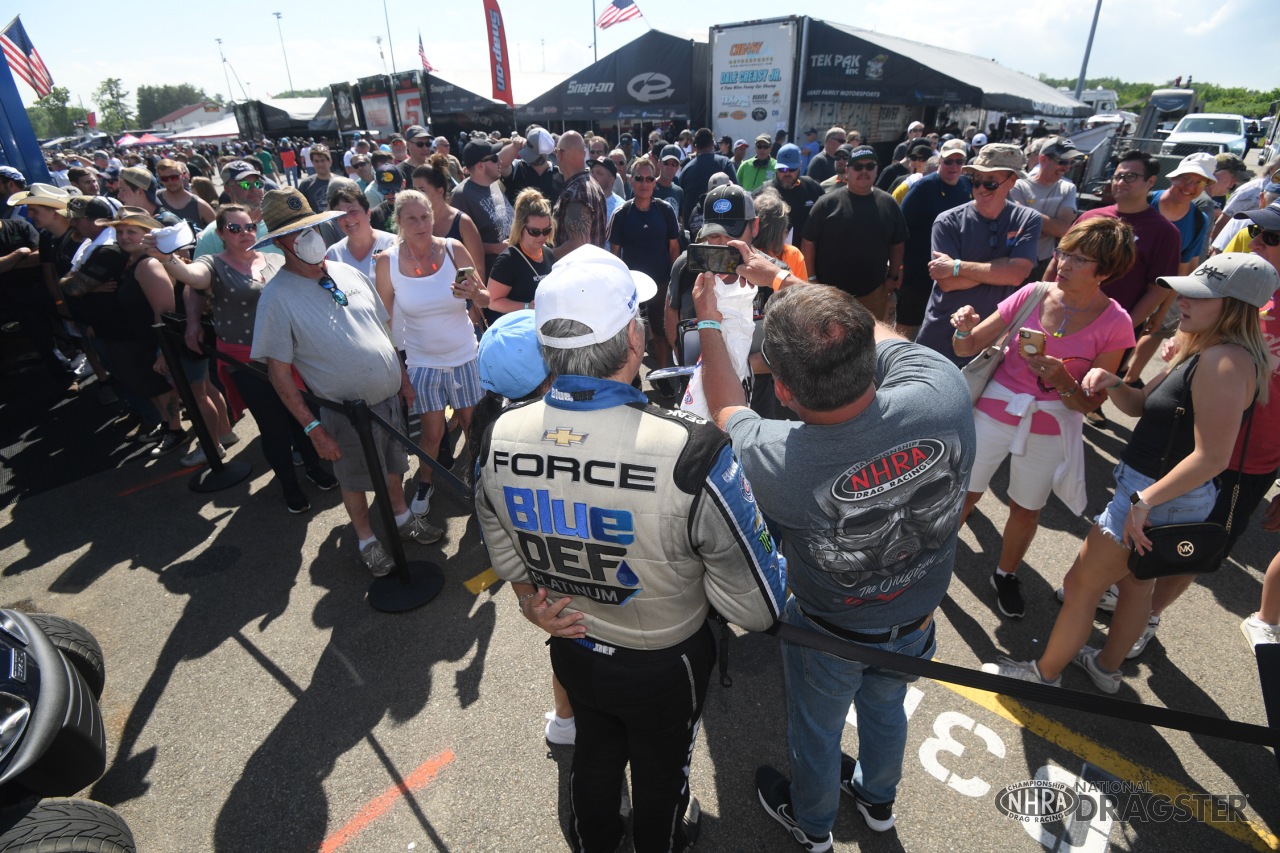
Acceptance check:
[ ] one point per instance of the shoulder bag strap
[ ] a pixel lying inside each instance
(1178, 412)
(1244, 451)
(1034, 300)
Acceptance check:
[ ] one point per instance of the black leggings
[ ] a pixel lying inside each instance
(280, 430)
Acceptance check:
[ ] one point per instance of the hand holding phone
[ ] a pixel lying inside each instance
(1031, 342)
(706, 257)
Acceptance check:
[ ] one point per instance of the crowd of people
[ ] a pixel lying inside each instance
(821, 301)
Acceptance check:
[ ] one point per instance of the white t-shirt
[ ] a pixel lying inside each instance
(341, 253)
(429, 323)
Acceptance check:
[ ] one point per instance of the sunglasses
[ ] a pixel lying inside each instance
(1270, 238)
(762, 145)
(1078, 260)
(236, 228)
(421, 144)
(842, 140)
(643, 179)
(329, 285)
(1127, 177)
(862, 166)
(249, 185)
(538, 232)
(989, 186)
(954, 161)
(169, 179)
(492, 158)
(842, 157)
(1063, 162)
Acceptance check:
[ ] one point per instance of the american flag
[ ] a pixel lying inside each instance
(422, 54)
(617, 12)
(24, 59)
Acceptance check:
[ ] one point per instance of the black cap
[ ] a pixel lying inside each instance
(478, 149)
(730, 206)
(389, 178)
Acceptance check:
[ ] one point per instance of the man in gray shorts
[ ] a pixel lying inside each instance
(325, 319)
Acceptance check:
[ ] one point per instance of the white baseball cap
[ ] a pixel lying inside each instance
(1199, 164)
(595, 288)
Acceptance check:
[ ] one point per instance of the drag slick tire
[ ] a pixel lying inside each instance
(79, 646)
(64, 826)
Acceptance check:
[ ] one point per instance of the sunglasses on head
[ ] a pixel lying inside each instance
(236, 228)
(330, 285)
(1270, 238)
(250, 185)
(863, 166)
(538, 232)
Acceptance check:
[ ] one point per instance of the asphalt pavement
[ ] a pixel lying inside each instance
(256, 702)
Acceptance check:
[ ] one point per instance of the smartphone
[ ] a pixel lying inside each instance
(704, 257)
(462, 274)
(1031, 341)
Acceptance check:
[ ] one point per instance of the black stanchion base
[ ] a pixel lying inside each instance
(390, 595)
(209, 480)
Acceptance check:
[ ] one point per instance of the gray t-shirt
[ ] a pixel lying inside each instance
(235, 296)
(488, 209)
(343, 353)
(1050, 201)
(869, 509)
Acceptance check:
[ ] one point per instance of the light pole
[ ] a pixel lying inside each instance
(287, 72)
(390, 46)
(231, 99)
(1087, 49)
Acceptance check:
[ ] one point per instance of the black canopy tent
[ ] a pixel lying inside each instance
(455, 110)
(850, 65)
(656, 77)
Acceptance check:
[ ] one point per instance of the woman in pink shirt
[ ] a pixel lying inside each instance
(1033, 408)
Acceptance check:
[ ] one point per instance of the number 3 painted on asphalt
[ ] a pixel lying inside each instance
(944, 742)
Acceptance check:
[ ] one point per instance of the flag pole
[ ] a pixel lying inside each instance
(595, 53)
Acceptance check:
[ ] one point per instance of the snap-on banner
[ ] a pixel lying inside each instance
(499, 59)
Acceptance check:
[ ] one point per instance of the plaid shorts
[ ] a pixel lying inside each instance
(438, 387)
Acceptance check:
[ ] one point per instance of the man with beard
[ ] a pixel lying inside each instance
(800, 192)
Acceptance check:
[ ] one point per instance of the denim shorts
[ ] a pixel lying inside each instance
(1194, 506)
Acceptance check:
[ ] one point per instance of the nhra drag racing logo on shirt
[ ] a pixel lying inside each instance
(886, 472)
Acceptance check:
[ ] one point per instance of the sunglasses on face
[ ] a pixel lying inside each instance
(249, 185)
(988, 185)
(169, 179)
(538, 232)
(1063, 162)
(644, 179)
(844, 157)
(1270, 238)
(762, 145)
(237, 228)
(338, 296)
(955, 161)
(840, 139)
(492, 158)
(421, 144)
(862, 166)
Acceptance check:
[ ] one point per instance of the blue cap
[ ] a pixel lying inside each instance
(510, 357)
(788, 158)
(672, 151)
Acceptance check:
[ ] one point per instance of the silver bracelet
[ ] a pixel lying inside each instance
(524, 598)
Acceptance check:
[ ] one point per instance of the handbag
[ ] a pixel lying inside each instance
(1188, 549)
(979, 371)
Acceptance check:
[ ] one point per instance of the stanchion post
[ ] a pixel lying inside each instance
(217, 475)
(414, 584)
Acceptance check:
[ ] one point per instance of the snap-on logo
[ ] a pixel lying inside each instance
(888, 470)
(589, 88)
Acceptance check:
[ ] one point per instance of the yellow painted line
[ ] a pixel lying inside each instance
(482, 581)
(1250, 832)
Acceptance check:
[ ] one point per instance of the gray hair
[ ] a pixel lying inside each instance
(596, 360)
(772, 216)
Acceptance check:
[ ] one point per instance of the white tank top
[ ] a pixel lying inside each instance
(429, 323)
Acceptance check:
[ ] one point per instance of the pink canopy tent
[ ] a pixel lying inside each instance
(150, 139)
(127, 139)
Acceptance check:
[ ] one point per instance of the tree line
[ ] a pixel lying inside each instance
(1217, 99)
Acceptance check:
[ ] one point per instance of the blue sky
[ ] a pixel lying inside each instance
(1139, 40)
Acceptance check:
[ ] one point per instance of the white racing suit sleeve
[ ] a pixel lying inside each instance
(746, 577)
(503, 553)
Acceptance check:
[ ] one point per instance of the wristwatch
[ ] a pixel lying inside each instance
(1136, 500)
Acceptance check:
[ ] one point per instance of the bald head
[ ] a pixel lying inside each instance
(572, 152)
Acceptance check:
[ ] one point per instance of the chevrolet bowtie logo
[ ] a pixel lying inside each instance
(563, 437)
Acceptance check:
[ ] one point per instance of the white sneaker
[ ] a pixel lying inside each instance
(196, 458)
(1258, 632)
(1108, 602)
(421, 503)
(1107, 682)
(562, 732)
(1140, 645)
(1023, 670)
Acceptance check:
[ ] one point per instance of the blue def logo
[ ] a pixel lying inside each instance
(721, 205)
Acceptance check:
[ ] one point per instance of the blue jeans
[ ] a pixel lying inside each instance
(820, 688)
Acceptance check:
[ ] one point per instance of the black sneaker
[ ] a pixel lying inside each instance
(323, 480)
(692, 823)
(296, 500)
(879, 816)
(148, 435)
(1008, 595)
(170, 440)
(774, 791)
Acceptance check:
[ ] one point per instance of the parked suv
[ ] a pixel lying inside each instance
(1210, 132)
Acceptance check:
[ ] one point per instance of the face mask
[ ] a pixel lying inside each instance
(309, 247)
